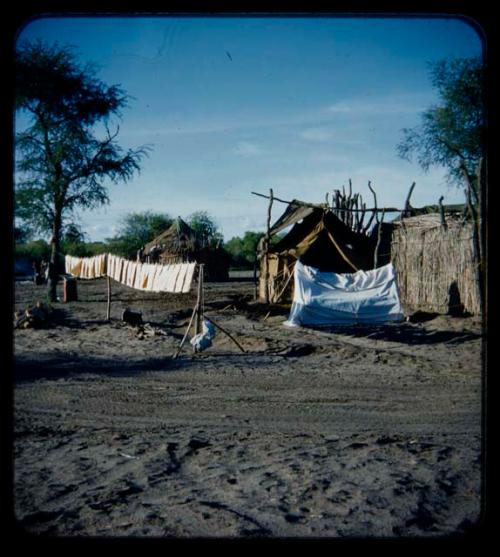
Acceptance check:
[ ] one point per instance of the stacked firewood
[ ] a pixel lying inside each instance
(33, 317)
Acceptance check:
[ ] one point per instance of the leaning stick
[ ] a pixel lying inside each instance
(195, 311)
(320, 206)
(278, 297)
(224, 331)
(407, 208)
(343, 255)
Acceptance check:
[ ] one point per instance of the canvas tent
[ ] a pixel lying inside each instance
(317, 238)
(180, 244)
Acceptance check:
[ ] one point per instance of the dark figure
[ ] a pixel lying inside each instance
(155, 254)
(140, 255)
(455, 305)
(37, 272)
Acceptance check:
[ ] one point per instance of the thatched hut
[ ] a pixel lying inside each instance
(434, 261)
(432, 249)
(317, 238)
(181, 244)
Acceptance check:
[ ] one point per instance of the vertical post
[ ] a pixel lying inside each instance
(379, 237)
(108, 308)
(482, 233)
(441, 214)
(375, 212)
(197, 323)
(255, 284)
(268, 241)
(407, 208)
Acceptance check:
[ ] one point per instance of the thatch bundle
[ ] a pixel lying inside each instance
(435, 264)
(181, 244)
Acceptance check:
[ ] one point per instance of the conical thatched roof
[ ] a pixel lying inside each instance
(178, 238)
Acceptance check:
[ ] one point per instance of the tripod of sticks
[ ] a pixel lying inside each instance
(198, 315)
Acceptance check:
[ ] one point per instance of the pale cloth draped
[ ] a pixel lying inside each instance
(151, 277)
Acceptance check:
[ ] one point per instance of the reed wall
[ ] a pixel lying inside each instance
(435, 266)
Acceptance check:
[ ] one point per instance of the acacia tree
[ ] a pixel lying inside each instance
(453, 135)
(206, 228)
(243, 249)
(66, 150)
(136, 230)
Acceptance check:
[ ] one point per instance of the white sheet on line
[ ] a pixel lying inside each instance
(152, 277)
(321, 298)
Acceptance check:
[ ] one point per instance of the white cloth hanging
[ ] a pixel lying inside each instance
(322, 298)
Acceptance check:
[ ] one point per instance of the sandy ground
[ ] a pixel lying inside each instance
(352, 432)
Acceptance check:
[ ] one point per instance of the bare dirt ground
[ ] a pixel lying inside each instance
(352, 432)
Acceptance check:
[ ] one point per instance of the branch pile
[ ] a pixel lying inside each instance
(32, 318)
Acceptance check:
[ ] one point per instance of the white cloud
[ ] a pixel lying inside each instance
(345, 136)
(388, 104)
(247, 149)
(237, 225)
(318, 134)
(340, 107)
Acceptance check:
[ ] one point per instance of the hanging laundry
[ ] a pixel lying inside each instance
(179, 282)
(186, 287)
(151, 277)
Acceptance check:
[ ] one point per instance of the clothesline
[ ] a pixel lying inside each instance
(152, 277)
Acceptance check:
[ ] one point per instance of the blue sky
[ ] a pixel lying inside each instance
(232, 105)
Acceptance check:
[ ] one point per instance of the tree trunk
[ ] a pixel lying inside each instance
(481, 234)
(475, 200)
(55, 261)
(56, 239)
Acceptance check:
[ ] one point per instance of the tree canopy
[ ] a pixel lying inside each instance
(67, 150)
(243, 250)
(136, 230)
(206, 228)
(452, 133)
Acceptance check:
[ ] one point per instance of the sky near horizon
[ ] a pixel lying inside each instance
(232, 105)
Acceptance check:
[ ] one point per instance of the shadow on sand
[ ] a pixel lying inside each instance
(28, 369)
(403, 333)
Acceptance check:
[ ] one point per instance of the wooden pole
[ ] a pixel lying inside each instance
(321, 206)
(343, 255)
(195, 314)
(374, 199)
(266, 254)
(278, 297)
(255, 287)
(195, 311)
(379, 237)
(108, 308)
(407, 208)
(197, 325)
(441, 214)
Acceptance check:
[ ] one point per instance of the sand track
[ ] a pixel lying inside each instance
(369, 432)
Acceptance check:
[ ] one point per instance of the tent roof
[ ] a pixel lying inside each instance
(295, 212)
(321, 239)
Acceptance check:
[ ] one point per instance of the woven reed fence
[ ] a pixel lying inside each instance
(435, 266)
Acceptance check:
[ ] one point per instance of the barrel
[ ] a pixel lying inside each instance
(69, 288)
